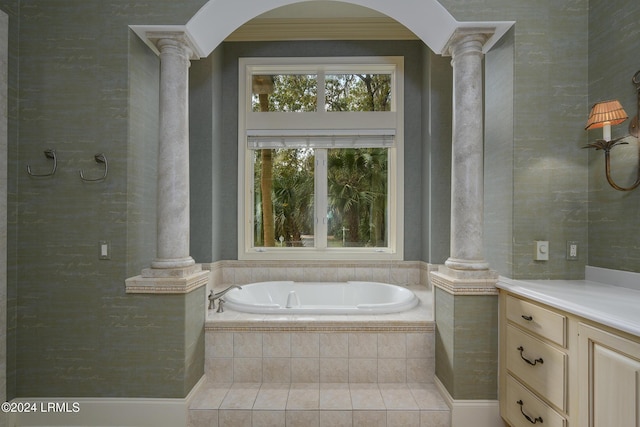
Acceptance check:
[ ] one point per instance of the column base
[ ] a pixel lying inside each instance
(172, 263)
(467, 265)
(168, 280)
(465, 282)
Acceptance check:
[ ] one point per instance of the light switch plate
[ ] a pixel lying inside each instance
(541, 250)
(104, 249)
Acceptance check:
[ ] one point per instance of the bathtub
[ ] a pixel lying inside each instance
(288, 297)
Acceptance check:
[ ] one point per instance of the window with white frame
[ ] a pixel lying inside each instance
(320, 158)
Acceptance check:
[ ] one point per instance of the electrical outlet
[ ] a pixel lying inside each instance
(572, 250)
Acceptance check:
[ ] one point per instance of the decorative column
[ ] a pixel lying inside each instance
(466, 303)
(467, 174)
(173, 270)
(173, 155)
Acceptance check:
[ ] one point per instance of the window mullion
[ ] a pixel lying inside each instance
(320, 179)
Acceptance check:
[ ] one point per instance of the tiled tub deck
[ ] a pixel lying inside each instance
(270, 370)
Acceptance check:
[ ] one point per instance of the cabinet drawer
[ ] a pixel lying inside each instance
(537, 319)
(537, 364)
(523, 408)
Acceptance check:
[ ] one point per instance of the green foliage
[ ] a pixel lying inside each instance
(357, 177)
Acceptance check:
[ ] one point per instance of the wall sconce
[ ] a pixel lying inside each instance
(609, 113)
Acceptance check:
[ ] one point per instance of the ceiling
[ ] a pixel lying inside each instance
(321, 10)
(322, 20)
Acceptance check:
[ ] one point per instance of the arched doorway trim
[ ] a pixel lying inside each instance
(428, 19)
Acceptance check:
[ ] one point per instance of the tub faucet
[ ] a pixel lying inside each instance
(212, 297)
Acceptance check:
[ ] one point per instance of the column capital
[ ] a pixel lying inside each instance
(467, 40)
(176, 39)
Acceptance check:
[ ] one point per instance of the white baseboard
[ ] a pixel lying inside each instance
(476, 413)
(101, 412)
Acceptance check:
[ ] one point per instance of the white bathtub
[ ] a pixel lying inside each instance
(284, 297)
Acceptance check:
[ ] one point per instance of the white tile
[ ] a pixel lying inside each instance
(403, 418)
(334, 370)
(398, 397)
(209, 396)
(276, 344)
(366, 396)
(304, 396)
(363, 345)
(247, 369)
(392, 370)
(363, 370)
(297, 418)
(435, 418)
(370, 418)
(276, 370)
(203, 418)
(336, 419)
(241, 396)
(247, 344)
(305, 344)
(334, 345)
(272, 397)
(268, 418)
(234, 418)
(305, 370)
(335, 396)
(218, 344)
(392, 345)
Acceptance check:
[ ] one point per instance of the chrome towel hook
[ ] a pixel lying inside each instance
(100, 158)
(49, 154)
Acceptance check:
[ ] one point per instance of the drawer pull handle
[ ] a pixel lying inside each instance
(531, 420)
(527, 318)
(540, 361)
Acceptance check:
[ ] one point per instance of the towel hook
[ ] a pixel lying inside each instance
(100, 158)
(49, 154)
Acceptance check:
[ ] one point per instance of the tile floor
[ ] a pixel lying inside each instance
(318, 405)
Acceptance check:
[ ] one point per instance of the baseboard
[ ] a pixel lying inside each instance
(476, 413)
(102, 412)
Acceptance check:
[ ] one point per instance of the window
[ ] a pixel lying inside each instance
(320, 158)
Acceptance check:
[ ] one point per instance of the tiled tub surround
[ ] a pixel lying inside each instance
(244, 272)
(322, 370)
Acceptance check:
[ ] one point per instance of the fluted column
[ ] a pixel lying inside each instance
(173, 155)
(467, 175)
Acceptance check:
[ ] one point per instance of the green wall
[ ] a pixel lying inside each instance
(614, 216)
(81, 83)
(544, 161)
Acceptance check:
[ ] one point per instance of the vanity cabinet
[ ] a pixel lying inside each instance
(534, 360)
(560, 369)
(609, 378)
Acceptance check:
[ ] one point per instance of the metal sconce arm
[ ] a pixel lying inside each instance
(606, 146)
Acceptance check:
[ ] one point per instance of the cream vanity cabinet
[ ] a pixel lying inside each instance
(609, 378)
(559, 369)
(534, 363)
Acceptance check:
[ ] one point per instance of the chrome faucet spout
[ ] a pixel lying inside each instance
(212, 297)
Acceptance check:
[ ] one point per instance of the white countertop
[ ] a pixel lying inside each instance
(614, 306)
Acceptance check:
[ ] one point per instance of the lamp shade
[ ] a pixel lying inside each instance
(606, 112)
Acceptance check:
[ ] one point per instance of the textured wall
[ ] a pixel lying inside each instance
(614, 43)
(467, 344)
(498, 155)
(550, 99)
(4, 84)
(84, 87)
(437, 106)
